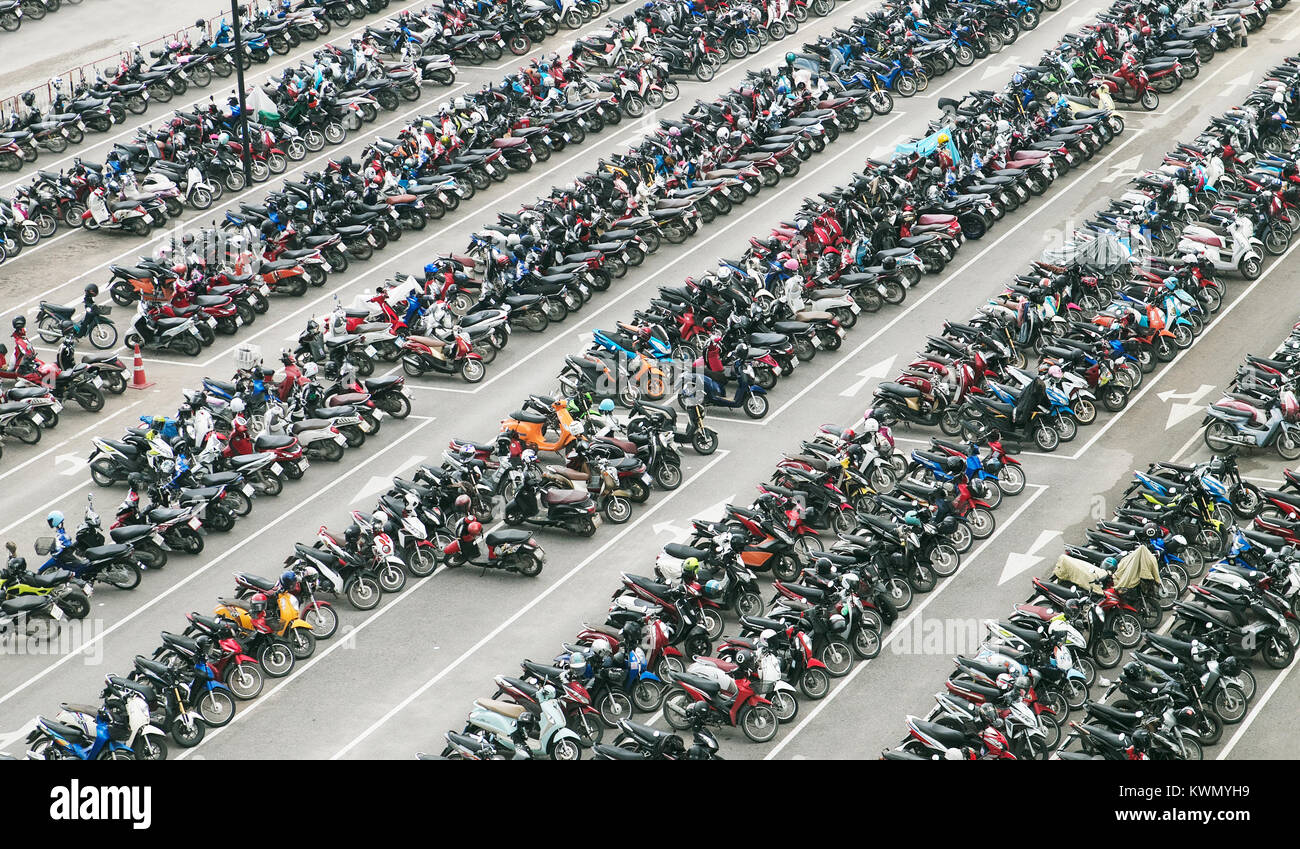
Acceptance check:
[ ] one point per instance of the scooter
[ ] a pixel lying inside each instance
(1231, 422)
(509, 551)
(164, 334)
(1237, 250)
(699, 388)
(571, 509)
(509, 725)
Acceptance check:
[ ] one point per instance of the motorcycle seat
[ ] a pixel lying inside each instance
(1107, 713)
(702, 684)
(1266, 540)
(506, 709)
(270, 442)
(168, 323)
(162, 515)
(567, 473)
(528, 416)
(56, 309)
(508, 537)
(106, 552)
(25, 393)
(900, 390)
(243, 461)
(129, 534)
(681, 551)
(564, 496)
(790, 327)
(380, 384)
(71, 733)
(944, 461)
(427, 341)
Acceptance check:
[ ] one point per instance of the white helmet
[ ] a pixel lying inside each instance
(871, 426)
(459, 104)
(310, 370)
(237, 405)
(601, 647)
(528, 456)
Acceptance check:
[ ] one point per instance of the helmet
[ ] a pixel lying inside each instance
(632, 633)
(257, 604)
(911, 519)
(871, 426)
(1055, 373)
(301, 206)
(674, 131)
(1171, 283)
(237, 405)
(223, 139)
(19, 322)
(92, 291)
(824, 566)
(351, 534)
(459, 103)
(690, 565)
(288, 578)
(528, 456)
(607, 406)
(54, 519)
(790, 265)
(722, 134)
(989, 714)
(744, 659)
(601, 646)
(462, 503)
(889, 263)
(942, 139)
(1133, 671)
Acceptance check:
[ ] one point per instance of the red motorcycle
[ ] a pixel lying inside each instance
(733, 704)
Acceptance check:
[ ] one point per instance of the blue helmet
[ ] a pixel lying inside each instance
(431, 269)
(55, 519)
(607, 406)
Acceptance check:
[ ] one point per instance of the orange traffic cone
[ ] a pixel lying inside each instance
(137, 372)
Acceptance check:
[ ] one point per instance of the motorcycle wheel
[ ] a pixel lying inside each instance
(124, 576)
(704, 441)
(675, 711)
(323, 620)
(815, 683)
(866, 643)
(785, 705)
(216, 708)
(759, 722)
(838, 657)
(617, 509)
(364, 593)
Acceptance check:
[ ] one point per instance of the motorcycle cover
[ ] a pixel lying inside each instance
(1106, 253)
(1135, 567)
(1081, 573)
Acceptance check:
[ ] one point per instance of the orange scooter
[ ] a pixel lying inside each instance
(529, 424)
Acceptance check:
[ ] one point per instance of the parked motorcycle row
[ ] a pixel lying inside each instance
(1177, 522)
(652, 434)
(35, 391)
(98, 104)
(1128, 587)
(582, 684)
(12, 12)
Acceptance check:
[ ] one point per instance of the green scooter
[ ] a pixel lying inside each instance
(517, 731)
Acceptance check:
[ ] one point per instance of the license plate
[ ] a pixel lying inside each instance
(371, 239)
(379, 414)
(582, 287)
(194, 330)
(364, 426)
(817, 341)
(841, 332)
(370, 351)
(776, 370)
(794, 361)
(326, 266)
(854, 306)
(303, 464)
(264, 289)
(239, 322)
(595, 520)
(38, 418)
(567, 137)
(90, 590)
(248, 489)
(148, 219)
(276, 468)
(99, 383)
(648, 480)
(532, 157)
(340, 440)
(56, 612)
(57, 406)
(212, 322)
(194, 523)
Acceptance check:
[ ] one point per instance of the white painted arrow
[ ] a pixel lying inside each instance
(1120, 169)
(997, 70)
(880, 369)
(678, 533)
(1245, 79)
(74, 462)
(1190, 407)
(1018, 563)
(381, 483)
(6, 740)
